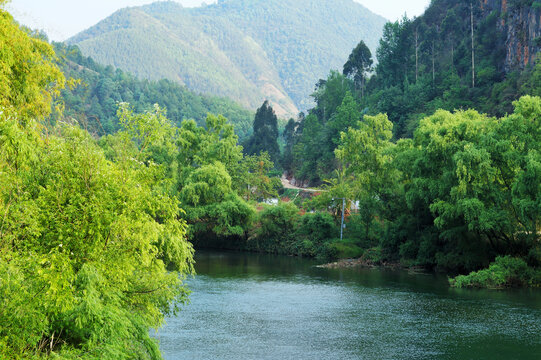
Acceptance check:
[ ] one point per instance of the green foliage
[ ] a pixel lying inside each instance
(359, 61)
(282, 229)
(246, 50)
(366, 152)
(359, 64)
(28, 76)
(205, 185)
(84, 241)
(461, 192)
(215, 181)
(373, 255)
(315, 231)
(257, 181)
(312, 139)
(343, 250)
(289, 136)
(85, 245)
(347, 115)
(275, 229)
(465, 190)
(94, 100)
(504, 272)
(265, 135)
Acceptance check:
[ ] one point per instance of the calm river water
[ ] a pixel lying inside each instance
(249, 306)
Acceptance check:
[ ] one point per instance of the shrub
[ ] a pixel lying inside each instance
(317, 227)
(374, 255)
(504, 272)
(275, 229)
(343, 250)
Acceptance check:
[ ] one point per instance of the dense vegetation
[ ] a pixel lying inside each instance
(460, 191)
(253, 50)
(504, 272)
(93, 252)
(93, 101)
(435, 185)
(443, 61)
(423, 64)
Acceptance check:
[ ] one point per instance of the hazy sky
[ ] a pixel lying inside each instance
(63, 18)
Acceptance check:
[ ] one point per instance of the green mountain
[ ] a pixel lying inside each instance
(246, 50)
(94, 101)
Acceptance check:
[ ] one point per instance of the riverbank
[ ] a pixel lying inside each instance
(503, 273)
(361, 263)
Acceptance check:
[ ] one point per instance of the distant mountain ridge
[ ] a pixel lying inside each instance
(247, 50)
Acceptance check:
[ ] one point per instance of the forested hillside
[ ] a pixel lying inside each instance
(94, 100)
(248, 51)
(425, 64)
(457, 55)
(438, 184)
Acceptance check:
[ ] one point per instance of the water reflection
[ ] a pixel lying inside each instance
(251, 306)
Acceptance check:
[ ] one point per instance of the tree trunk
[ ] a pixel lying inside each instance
(416, 55)
(472, 48)
(452, 53)
(433, 65)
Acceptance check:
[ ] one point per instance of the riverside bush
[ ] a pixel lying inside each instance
(315, 230)
(506, 271)
(344, 249)
(275, 229)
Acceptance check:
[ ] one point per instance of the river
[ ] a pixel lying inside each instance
(250, 306)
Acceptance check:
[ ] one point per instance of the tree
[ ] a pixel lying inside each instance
(93, 252)
(472, 46)
(450, 27)
(255, 184)
(265, 136)
(393, 53)
(29, 78)
(307, 153)
(290, 138)
(86, 245)
(346, 116)
(211, 176)
(358, 65)
(330, 93)
(365, 153)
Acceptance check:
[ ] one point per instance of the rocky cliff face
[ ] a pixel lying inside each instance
(520, 21)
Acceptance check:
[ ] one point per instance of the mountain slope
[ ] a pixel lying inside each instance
(94, 103)
(425, 63)
(246, 50)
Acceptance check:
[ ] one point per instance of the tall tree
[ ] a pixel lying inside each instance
(450, 27)
(289, 136)
(265, 137)
(346, 116)
(364, 152)
(358, 65)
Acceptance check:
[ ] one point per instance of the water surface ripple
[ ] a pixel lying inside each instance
(249, 306)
